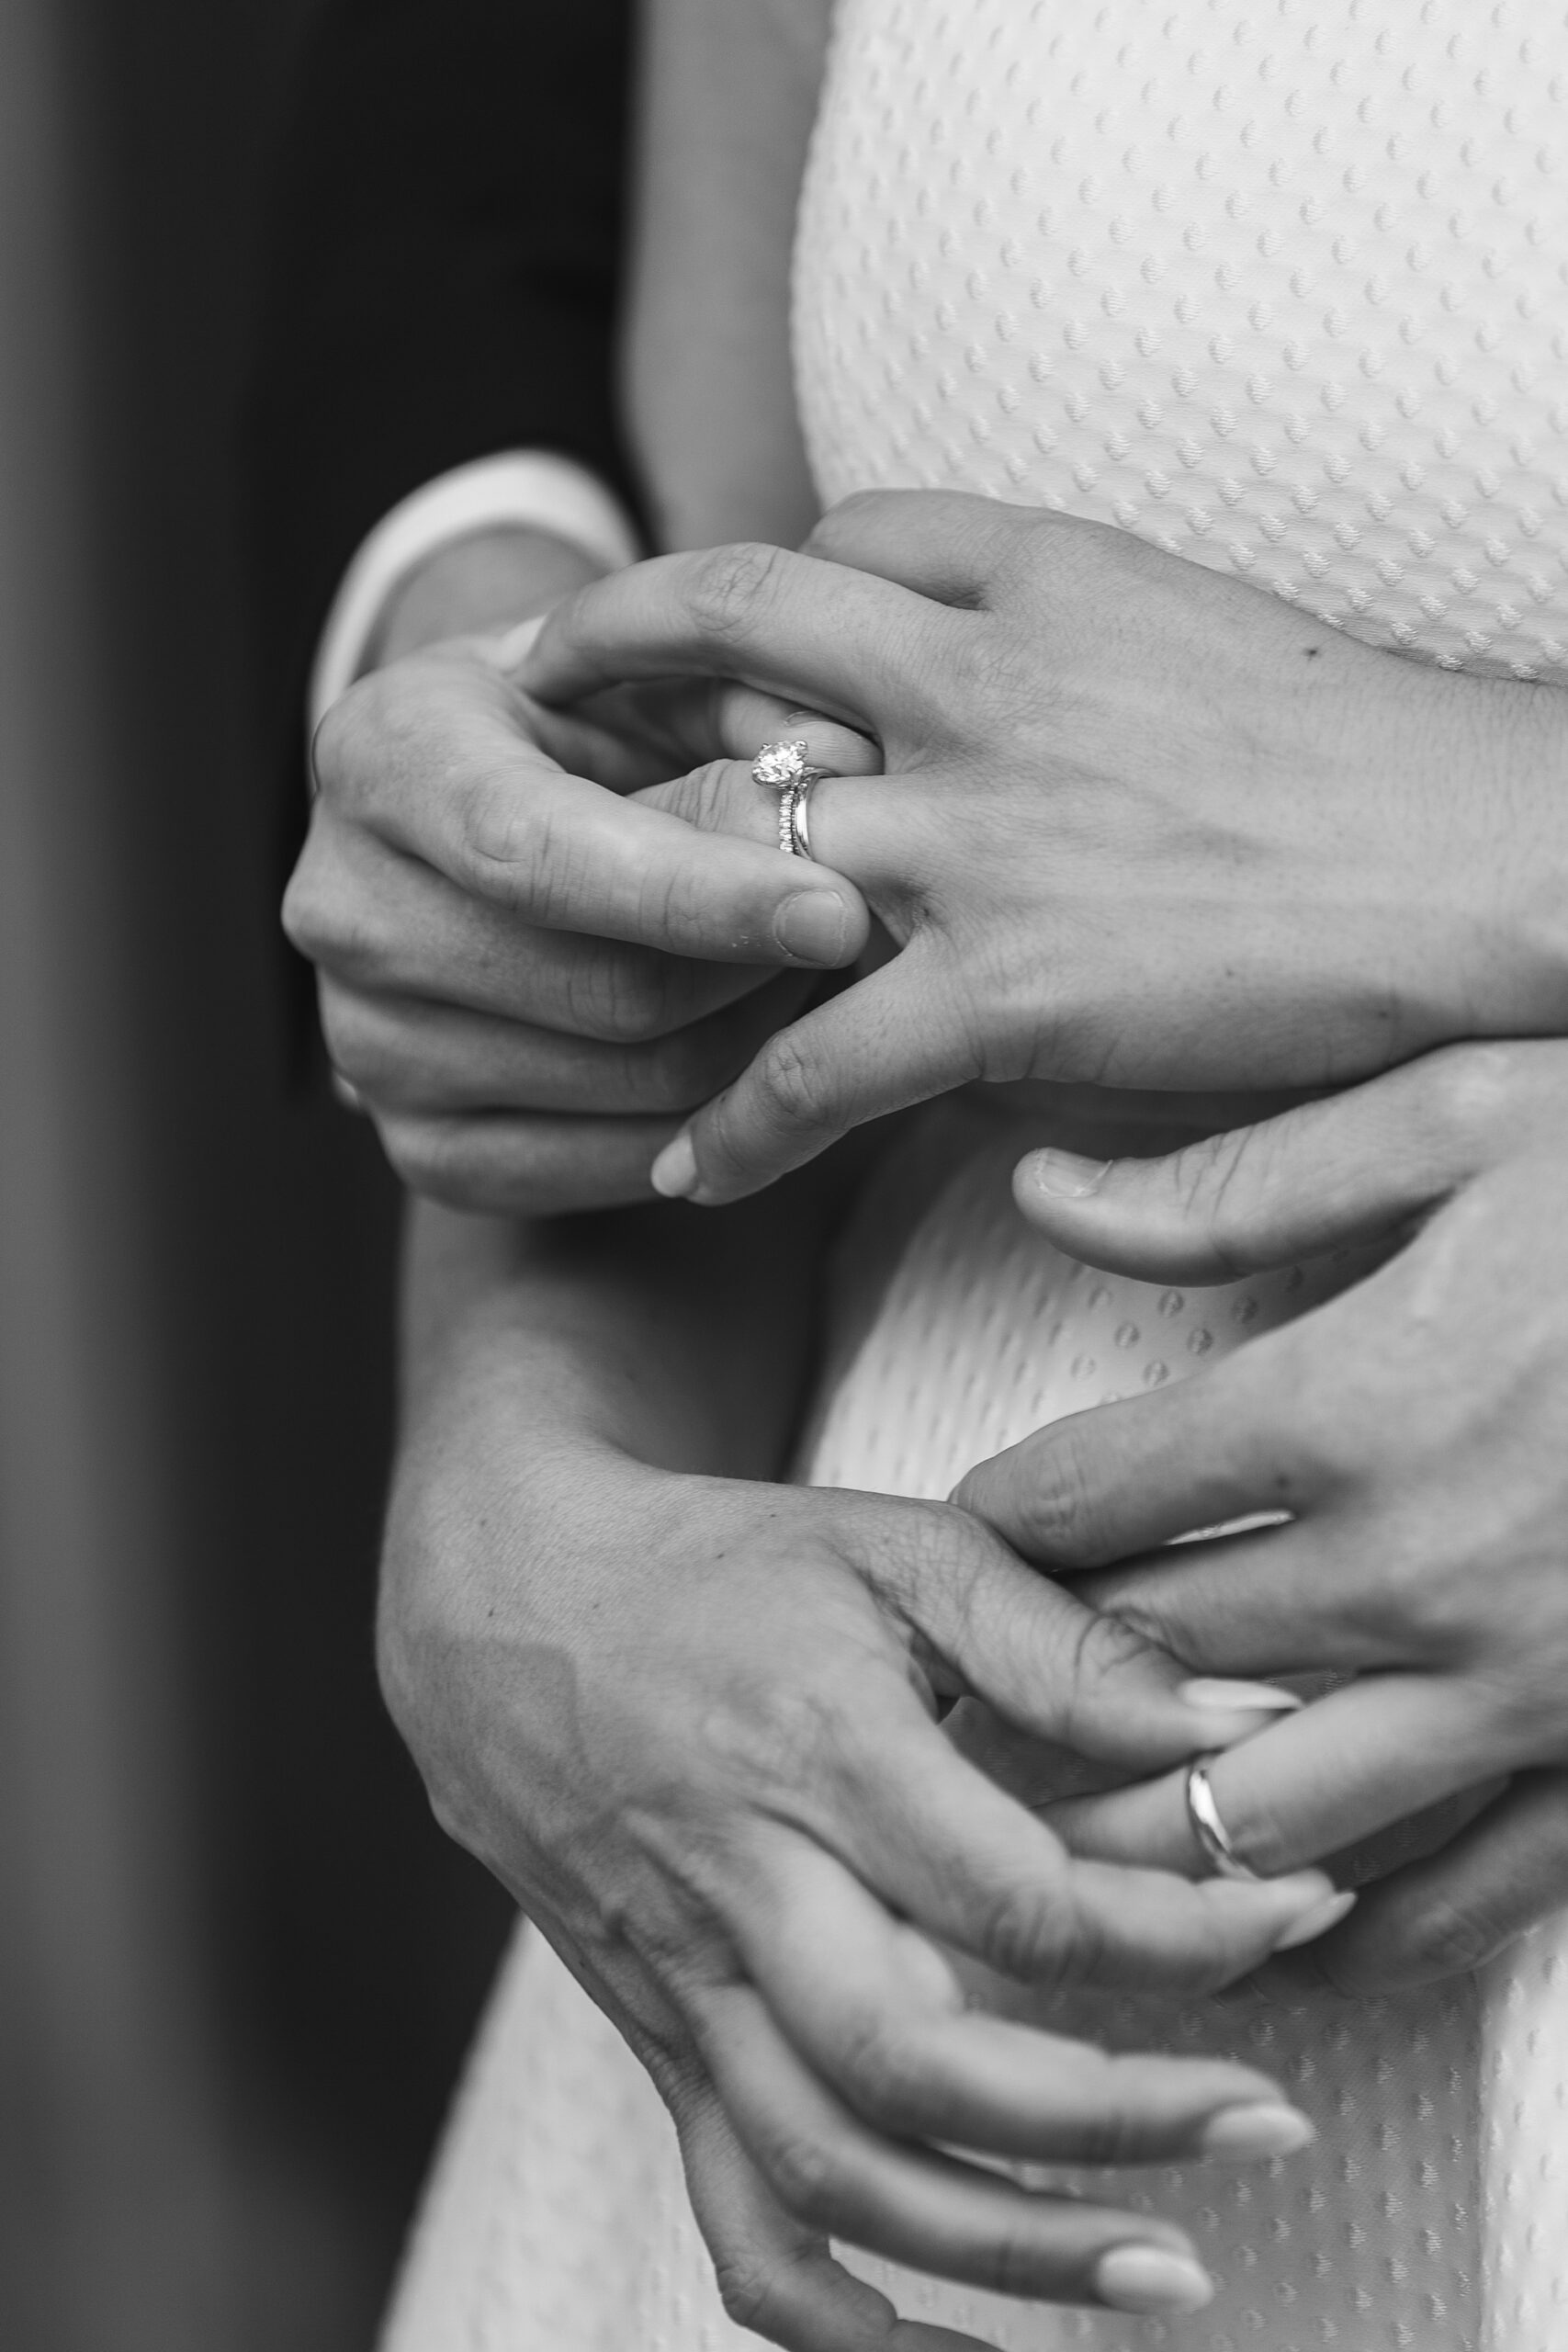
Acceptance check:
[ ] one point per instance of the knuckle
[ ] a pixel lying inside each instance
(621, 1001)
(839, 526)
(503, 835)
(1102, 1648)
(1013, 2261)
(312, 910)
(883, 2075)
(1106, 2133)
(807, 2170)
(1029, 1935)
(1467, 1090)
(792, 1084)
(349, 1035)
(732, 587)
(1061, 1511)
(745, 2291)
(1451, 1937)
(436, 1158)
(331, 919)
(705, 798)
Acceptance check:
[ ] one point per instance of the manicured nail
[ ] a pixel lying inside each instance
(1318, 1921)
(674, 1172)
(1065, 1173)
(1237, 1698)
(812, 927)
(1151, 2278)
(1245, 2134)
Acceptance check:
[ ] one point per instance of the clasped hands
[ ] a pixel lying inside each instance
(1133, 752)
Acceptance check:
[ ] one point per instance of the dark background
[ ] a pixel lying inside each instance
(238, 1963)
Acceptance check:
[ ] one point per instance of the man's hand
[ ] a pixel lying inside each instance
(527, 979)
(689, 1722)
(1413, 1429)
(1143, 825)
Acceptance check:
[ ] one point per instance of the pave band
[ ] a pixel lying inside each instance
(795, 827)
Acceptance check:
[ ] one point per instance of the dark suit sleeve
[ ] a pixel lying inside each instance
(441, 284)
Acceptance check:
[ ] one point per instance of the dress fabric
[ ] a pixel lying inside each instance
(1281, 287)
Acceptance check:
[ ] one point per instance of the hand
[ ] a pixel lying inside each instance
(1143, 825)
(1412, 1428)
(694, 1737)
(508, 951)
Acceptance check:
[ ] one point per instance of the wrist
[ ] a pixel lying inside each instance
(470, 586)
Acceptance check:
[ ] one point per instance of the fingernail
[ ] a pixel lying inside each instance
(1245, 2134)
(1318, 1921)
(812, 927)
(1238, 1698)
(674, 1172)
(1151, 2278)
(1065, 1173)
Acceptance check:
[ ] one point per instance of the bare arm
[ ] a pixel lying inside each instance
(727, 99)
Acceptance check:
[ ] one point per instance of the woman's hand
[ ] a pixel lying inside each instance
(689, 1722)
(1414, 1429)
(1143, 825)
(526, 977)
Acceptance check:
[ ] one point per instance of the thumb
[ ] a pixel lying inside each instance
(1351, 1169)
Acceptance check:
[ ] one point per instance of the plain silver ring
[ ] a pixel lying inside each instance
(1208, 1825)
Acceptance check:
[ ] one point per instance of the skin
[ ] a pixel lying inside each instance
(1412, 1428)
(699, 1777)
(554, 1735)
(1331, 858)
(631, 1360)
(526, 1027)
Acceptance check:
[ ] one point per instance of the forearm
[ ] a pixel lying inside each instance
(679, 1339)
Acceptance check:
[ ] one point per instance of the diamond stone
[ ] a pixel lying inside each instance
(777, 765)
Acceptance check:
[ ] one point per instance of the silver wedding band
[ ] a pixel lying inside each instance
(1208, 1825)
(783, 767)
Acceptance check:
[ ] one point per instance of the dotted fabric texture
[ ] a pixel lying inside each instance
(1428, 2217)
(1280, 287)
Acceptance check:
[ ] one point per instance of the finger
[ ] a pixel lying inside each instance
(912, 2205)
(744, 719)
(947, 544)
(850, 645)
(888, 2026)
(631, 737)
(481, 804)
(1119, 1480)
(408, 1055)
(961, 1860)
(1258, 1600)
(1456, 1908)
(502, 1164)
(1352, 1169)
(1313, 1784)
(370, 919)
(883, 833)
(776, 2276)
(877, 1047)
(1057, 1670)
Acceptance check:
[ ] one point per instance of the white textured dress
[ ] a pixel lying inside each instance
(1282, 285)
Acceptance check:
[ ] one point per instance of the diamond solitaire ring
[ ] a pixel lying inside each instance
(783, 767)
